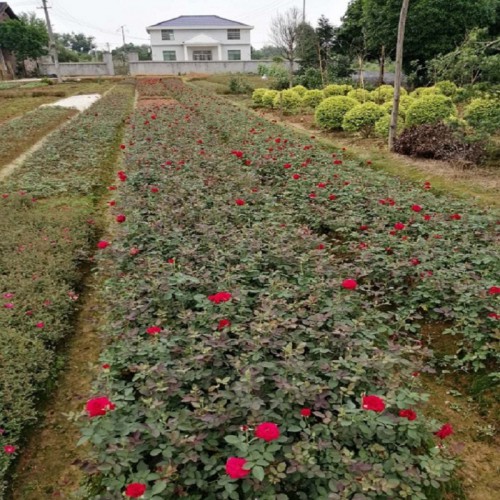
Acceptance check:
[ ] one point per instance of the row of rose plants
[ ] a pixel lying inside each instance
(20, 133)
(265, 299)
(46, 242)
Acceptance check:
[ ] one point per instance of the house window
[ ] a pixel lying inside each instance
(202, 55)
(234, 55)
(233, 34)
(167, 34)
(169, 55)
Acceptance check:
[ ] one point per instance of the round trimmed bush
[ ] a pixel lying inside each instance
(361, 95)
(423, 91)
(405, 102)
(289, 99)
(362, 118)
(300, 89)
(447, 88)
(268, 98)
(382, 125)
(330, 112)
(334, 89)
(257, 96)
(312, 98)
(483, 115)
(430, 109)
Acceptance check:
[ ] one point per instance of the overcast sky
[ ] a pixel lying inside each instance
(102, 18)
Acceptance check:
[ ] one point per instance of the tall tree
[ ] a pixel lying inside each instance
(399, 70)
(26, 37)
(307, 46)
(78, 42)
(326, 37)
(284, 35)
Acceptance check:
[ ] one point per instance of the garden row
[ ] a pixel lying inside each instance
(265, 302)
(359, 110)
(45, 242)
(18, 134)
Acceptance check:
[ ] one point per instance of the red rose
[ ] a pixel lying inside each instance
(312, 195)
(337, 162)
(446, 430)
(409, 414)
(121, 218)
(219, 297)
(416, 208)
(134, 251)
(122, 146)
(321, 185)
(296, 176)
(153, 330)
(305, 412)
(399, 226)
(240, 202)
(349, 284)
(238, 154)
(321, 246)
(112, 203)
(154, 189)
(99, 406)
(287, 165)
(373, 403)
(103, 244)
(171, 261)
(455, 217)
(234, 468)
(494, 290)
(223, 323)
(414, 262)
(267, 431)
(363, 227)
(9, 449)
(106, 366)
(493, 315)
(427, 217)
(332, 197)
(40, 324)
(135, 490)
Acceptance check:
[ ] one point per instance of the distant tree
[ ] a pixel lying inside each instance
(144, 51)
(326, 36)
(307, 46)
(26, 37)
(266, 52)
(284, 35)
(78, 42)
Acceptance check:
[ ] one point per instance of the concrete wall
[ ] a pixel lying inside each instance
(174, 68)
(105, 68)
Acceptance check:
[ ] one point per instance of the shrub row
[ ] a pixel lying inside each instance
(227, 311)
(42, 248)
(18, 134)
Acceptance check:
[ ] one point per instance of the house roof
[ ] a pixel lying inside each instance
(4, 7)
(199, 21)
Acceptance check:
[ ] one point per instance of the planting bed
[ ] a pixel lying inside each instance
(45, 244)
(266, 300)
(20, 133)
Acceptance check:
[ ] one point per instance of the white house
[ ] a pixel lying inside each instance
(200, 38)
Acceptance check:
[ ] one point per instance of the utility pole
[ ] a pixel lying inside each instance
(304, 11)
(122, 27)
(52, 42)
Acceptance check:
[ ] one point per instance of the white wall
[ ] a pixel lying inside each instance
(182, 35)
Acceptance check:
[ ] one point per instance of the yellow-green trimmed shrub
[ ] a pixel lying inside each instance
(312, 98)
(423, 91)
(405, 102)
(484, 115)
(361, 95)
(430, 109)
(385, 93)
(447, 88)
(362, 118)
(268, 98)
(381, 127)
(300, 89)
(334, 89)
(288, 99)
(257, 96)
(330, 112)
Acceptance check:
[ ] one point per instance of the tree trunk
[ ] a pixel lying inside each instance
(361, 80)
(290, 73)
(397, 80)
(381, 63)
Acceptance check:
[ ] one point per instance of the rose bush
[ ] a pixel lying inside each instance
(189, 400)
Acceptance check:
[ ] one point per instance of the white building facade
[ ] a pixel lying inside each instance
(200, 38)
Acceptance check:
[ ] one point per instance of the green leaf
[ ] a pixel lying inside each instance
(158, 487)
(258, 472)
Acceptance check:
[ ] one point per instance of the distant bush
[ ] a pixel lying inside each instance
(381, 127)
(330, 113)
(423, 91)
(257, 96)
(430, 109)
(362, 118)
(311, 79)
(447, 88)
(484, 115)
(404, 103)
(334, 89)
(312, 98)
(385, 93)
(300, 89)
(268, 98)
(360, 95)
(438, 141)
(288, 100)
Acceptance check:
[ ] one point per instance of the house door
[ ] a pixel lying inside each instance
(202, 55)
